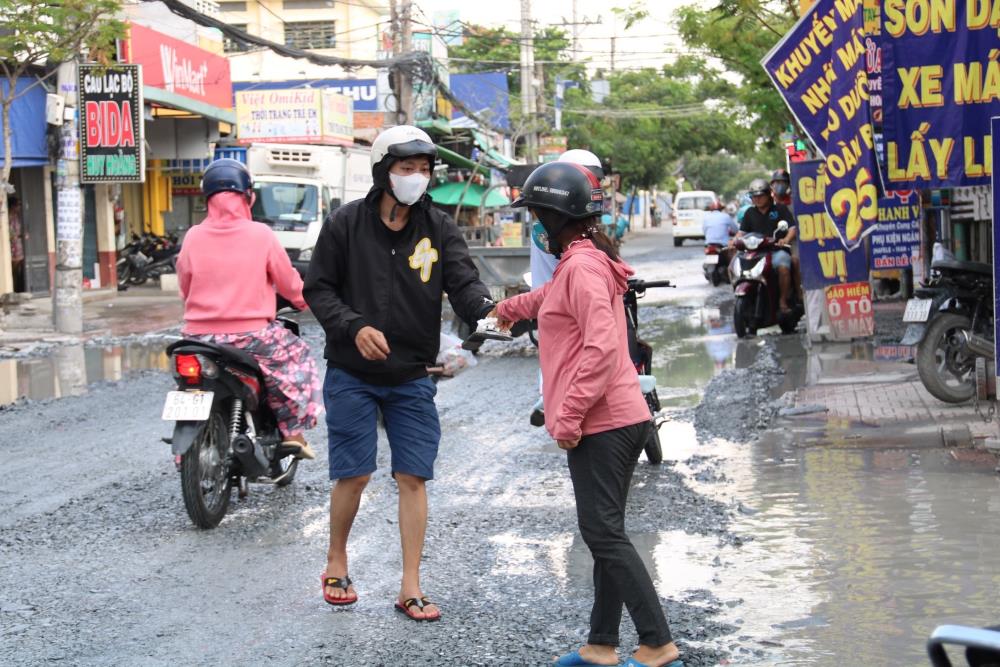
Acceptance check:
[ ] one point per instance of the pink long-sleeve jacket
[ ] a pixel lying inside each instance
(590, 383)
(229, 268)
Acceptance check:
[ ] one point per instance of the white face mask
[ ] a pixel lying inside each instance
(409, 189)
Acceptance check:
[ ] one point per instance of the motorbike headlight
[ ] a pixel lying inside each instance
(306, 254)
(752, 242)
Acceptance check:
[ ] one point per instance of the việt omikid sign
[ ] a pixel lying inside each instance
(111, 145)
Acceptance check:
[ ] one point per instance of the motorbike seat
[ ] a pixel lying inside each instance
(186, 346)
(963, 267)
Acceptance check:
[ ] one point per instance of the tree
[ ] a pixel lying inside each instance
(723, 173)
(35, 33)
(739, 33)
(653, 118)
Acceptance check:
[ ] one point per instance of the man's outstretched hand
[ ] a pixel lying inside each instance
(372, 344)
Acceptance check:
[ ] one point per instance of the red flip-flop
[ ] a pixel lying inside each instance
(337, 582)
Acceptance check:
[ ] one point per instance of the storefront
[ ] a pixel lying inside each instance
(188, 96)
(26, 254)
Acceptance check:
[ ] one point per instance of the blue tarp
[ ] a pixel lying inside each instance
(27, 120)
(486, 94)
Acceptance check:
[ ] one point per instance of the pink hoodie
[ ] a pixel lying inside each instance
(590, 383)
(229, 268)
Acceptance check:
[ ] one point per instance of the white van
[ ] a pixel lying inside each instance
(689, 209)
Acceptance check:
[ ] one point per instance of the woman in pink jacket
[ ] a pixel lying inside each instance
(594, 408)
(229, 269)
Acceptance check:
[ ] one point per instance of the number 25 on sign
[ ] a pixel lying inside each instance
(858, 205)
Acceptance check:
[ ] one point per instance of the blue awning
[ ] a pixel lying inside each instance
(27, 120)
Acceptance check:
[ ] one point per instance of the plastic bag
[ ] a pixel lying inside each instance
(452, 358)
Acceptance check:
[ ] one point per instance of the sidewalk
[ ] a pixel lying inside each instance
(138, 310)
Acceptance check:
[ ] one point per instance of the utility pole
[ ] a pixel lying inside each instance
(406, 79)
(67, 301)
(576, 32)
(613, 53)
(527, 85)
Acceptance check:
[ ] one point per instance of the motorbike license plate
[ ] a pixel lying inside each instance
(917, 310)
(711, 259)
(188, 406)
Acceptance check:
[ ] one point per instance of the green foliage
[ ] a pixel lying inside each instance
(632, 14)
(36, 32)
(677, 122)
(739, 33)
(726, 174)
(499, 49)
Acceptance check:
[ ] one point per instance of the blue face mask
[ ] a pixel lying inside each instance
(539, 236)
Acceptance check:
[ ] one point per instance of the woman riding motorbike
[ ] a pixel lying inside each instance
(228, 269)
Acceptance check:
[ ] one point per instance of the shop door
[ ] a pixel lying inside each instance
(89, 231)
(36, 247)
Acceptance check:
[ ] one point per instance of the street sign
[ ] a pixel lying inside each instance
(112, 149)
(849, 308)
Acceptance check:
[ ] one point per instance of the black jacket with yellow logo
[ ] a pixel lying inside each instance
(364, 274)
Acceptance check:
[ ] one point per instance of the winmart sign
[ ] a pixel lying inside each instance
(111, 145)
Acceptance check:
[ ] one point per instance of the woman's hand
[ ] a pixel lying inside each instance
(372, 344)
(568, 444)
(502, 324)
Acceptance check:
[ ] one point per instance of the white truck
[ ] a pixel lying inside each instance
(297, 185)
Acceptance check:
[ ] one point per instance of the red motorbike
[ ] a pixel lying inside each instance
(755, 282)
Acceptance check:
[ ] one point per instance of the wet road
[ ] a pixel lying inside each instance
(797, 549)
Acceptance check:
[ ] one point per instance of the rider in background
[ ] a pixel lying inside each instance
(763, 219)
(781, 187)
(228, 270)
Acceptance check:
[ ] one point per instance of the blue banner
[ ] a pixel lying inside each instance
(941, 86)
(823, 259)
(486, 94)
(995, 133)
(896, 239)
(820, 69)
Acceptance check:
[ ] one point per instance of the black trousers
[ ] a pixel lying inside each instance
(601, 468)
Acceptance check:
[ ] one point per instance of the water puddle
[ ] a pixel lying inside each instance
(69, 369)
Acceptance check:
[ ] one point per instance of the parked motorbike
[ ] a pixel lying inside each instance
(225, 434)
(951, 322)
(755, 282)
(982, 645)
(714, 266)
(642, 357)
(146, 257)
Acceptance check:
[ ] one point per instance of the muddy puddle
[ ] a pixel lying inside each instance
(69, 370)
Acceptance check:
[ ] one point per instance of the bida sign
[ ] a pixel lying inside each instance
(111, 146)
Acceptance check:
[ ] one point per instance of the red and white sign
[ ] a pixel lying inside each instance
(849, 309)
(179, 68)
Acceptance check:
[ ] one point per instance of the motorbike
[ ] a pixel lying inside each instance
(951, 322)
(146, 257)
(982, 645)
(642, 357)
(225, 434)
(714, 265)
(755, 282)
(640, 352)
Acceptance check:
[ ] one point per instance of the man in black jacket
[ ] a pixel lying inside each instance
(375, 283)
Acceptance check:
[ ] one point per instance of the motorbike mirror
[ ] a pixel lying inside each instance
(782, 226)
(527, 278)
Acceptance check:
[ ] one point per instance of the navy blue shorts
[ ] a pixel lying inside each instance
(411, 422)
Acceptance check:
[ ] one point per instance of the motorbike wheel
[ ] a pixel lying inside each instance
(945, 370)
(678, 242)
(789, 323)
(134, 279)
(205, 480)
(743, 318)
(654, 453)
(124, 273)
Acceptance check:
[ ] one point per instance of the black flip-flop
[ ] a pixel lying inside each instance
(406, 607)
(337, 582)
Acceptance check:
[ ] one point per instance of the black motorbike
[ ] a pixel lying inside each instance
(951, 322)
(641, 353)
(225, 434)
(982, 645)
(146, 257)
(755, 284)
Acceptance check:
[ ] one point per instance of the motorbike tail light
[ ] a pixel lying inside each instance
(711, 250)
(188, 366)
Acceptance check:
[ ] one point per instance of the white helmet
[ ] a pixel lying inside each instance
(398, 143)
(584, 158)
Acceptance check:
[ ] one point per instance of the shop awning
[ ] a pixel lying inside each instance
(494, 157)
(458, 160)
(182, 103)
(27, 120)
(449, 194)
